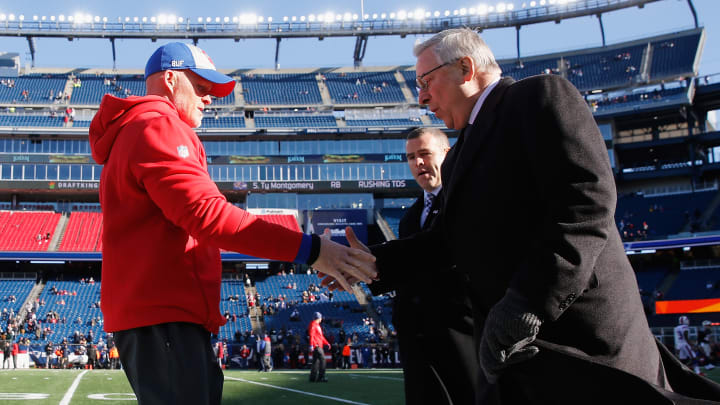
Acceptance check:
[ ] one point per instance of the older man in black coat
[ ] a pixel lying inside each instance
(528, 216)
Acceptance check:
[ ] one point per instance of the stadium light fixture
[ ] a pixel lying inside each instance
(285, 19)
(127, 20)
(43, 18)
(456, 12)
(162, 19)
(302, 18)
(293, 18)
(21, 17)
(392, 16)
(402, 15)
(338, 17)
(105, 19)
(71, 18)
(52, 18)
(419, 14)
(208, 19)
(35, 18)
(61, 18)
(269, 19)
(463, 11)
(226, 19)
(428, 14)
(347, 17)
(311, 18)
(436, 14)
(261, 19)
(542, 2)
(136, 19)
(500, 7)
(355, 17)
(374, 16)
(533, 4)
(3, 17)
(383, 16)
(447, 13)
(217, 19)
(180, 19)
(153, 19)
(366, 17)
(510, 7)
(472, 10)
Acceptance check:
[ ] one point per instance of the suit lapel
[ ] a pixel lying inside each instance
(473, 136)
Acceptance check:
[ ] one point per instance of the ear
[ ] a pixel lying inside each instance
(170, 80)
(468, 68)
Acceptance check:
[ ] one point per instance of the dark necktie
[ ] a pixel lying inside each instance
(429, 198)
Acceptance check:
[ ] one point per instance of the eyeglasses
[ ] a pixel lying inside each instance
(420, 80)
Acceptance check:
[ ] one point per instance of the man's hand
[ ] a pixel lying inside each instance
(329, 281)
(345, 265)
(509, 329)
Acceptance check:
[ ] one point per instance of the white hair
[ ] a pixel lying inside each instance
(453, 44)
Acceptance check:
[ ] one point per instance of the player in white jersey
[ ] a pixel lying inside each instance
(683, 348)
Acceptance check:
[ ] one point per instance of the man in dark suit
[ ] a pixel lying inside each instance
(529, 198)
(431, 312)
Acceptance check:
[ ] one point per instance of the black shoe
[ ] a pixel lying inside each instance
(323, 380)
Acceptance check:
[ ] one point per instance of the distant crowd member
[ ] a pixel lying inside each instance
(317, 348)
(164, 222)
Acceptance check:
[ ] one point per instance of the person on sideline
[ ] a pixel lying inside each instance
(164, 223)
(317, 348)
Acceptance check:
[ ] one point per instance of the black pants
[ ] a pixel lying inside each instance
(171, 363)
(317, 371)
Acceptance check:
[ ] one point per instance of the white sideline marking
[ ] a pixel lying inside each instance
(377, 378)
(296, 391)
(68, 395)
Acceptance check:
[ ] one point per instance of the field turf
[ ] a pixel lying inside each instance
(107, 387)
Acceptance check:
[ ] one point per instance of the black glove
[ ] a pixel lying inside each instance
(509, 329)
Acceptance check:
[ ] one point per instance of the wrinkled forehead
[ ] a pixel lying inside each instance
(426, 61)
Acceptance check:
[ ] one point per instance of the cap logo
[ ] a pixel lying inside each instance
(177, 63)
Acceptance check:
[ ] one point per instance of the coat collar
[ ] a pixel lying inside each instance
(471, 139)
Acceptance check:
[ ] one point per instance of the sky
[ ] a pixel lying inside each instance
(656, 18)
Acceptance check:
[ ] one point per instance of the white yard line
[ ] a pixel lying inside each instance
(295, 391)
(375, 377)
(69, 394)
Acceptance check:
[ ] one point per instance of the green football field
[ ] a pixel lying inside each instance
(107, 387)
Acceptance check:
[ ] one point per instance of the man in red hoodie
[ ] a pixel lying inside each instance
(164, 224)
(317, 348)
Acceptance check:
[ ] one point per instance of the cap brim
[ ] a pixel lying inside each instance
(222, 84)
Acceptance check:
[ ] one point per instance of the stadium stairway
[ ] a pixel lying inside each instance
(59, 232)
(404, 87)
(67, 91)
(34, 294)
(239, 95)
(324, 92)
(384, 227)
(256, 317)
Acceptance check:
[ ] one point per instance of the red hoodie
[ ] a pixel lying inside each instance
(164, 219)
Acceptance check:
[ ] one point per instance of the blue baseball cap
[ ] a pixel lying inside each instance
(182, 56)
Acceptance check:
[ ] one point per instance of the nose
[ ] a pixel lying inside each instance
(423, 97)
(206, 99)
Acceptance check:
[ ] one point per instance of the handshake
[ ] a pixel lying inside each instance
(344, 266)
